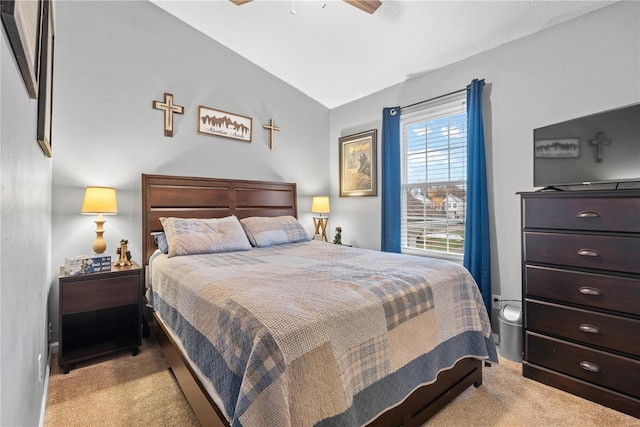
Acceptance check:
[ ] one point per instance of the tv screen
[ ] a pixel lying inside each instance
(600, 148)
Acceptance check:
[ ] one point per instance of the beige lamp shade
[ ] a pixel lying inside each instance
(100, 200)
(320, 205)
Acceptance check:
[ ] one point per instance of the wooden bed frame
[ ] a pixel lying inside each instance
(191, 197)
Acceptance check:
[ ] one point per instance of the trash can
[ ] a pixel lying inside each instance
(510, 329)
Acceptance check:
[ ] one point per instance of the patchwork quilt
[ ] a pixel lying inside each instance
(316, 334)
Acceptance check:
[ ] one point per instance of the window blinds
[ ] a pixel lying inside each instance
(434, 171)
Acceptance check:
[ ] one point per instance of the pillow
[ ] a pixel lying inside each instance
(161, 242)
(190, 236)
(269, 231)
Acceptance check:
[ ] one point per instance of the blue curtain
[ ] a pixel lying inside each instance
(477, 252)
(391, 180)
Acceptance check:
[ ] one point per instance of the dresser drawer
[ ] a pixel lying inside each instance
(98, 294)
(611, 332)
(592, 213)
(607, 370)
(586, 251)
(575, 287)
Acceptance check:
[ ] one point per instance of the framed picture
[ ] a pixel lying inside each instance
(45, 79)
(358, 165)
(557, 148)
(21, 19)
(221, 123)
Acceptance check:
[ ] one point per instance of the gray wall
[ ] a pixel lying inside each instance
(586, 65)
(25, 247)
(112, 60)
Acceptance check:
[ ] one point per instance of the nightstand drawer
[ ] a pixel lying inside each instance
(614, 372)
(603, 330)
(101, 293)
(576, 287)
(586, 251)
(591, 214)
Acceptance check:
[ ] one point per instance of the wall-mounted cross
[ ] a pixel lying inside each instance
(272, 128)
(598, 143)
(169, 108)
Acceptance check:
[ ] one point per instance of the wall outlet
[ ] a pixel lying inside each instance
(495, 304)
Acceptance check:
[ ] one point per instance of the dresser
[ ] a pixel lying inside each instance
(100, 313)
(581, 288)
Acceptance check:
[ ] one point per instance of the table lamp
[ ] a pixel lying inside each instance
(100, 200)
(320, 205)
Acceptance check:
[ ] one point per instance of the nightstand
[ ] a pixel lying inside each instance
(99, 313)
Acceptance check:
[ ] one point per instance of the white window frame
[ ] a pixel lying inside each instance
(445, 106)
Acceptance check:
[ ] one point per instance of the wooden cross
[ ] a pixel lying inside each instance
(599, 142)
(169, 108)
(271, 127)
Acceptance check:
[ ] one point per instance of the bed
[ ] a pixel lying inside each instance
(305, 332)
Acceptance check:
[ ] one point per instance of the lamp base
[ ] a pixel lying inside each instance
(99, 245)
(320, 224)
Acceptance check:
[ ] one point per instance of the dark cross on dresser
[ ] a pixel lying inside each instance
(271, 127)
(169, 108)
(598, 143)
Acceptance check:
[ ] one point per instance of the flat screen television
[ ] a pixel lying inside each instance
(595, 149)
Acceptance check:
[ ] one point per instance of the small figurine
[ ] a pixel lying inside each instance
(338, 239)
(125, 255)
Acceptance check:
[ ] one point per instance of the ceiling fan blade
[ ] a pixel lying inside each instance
(368, 6)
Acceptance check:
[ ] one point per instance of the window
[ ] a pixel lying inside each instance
(434, 176)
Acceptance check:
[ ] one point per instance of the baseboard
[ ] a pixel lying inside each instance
(53, 348)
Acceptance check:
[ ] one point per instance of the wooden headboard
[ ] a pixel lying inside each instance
(193, 197)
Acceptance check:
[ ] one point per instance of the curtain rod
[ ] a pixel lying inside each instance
(432, 99)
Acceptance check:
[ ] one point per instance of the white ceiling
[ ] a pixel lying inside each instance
(337, 53)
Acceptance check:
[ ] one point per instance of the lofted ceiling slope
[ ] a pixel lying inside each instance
(338, 53)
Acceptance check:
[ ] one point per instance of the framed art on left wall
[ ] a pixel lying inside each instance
(21, 19)
(45, 78)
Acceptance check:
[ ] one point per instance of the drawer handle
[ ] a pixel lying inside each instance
(590, 329)
(588, 214)
(588, 252)
(588, 366)
(586, 290)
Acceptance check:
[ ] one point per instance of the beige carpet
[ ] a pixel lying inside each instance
(507, 399)
(118, 391)
(126, 391)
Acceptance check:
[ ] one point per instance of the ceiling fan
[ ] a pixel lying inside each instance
(368, 6)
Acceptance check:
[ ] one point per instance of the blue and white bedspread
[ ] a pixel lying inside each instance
(318, 334)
